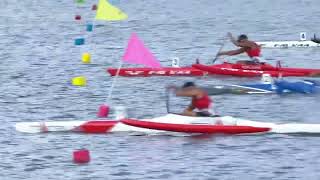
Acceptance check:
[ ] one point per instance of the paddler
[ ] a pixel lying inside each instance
(201, 102)
(252, 49)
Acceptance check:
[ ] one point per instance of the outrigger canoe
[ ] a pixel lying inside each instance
(169, 123)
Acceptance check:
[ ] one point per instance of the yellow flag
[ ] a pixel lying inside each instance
(108, 12)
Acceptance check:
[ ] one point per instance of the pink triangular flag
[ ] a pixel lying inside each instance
(137, 53)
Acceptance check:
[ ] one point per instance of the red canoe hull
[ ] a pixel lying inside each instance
(195, 128)
(221, 69)
(268, 67)
(245, 72)
(166, 71)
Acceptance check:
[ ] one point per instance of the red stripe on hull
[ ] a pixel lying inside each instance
(96, 127)
(193, 128)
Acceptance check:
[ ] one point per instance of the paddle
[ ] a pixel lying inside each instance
(167, 100)
(315, 39)
(168, 89)
(221, 47)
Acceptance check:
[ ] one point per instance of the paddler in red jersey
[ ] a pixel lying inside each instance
(252, 49)
(201, 102)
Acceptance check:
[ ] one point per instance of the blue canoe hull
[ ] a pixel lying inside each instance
(279, 86)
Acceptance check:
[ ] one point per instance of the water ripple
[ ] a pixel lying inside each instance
(38, 60)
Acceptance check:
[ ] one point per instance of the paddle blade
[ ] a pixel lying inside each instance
(220, 49)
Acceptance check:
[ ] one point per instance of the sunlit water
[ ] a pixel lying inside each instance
(38, 60)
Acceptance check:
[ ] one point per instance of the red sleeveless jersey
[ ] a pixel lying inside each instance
(201, 103)
(254, 52)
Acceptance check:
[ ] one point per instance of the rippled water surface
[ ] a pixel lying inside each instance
(38, 59)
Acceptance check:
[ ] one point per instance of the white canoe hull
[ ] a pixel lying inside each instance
(107, 126)
(48, 126)
(288, 44)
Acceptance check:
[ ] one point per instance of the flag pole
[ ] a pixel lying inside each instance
(108, 12)
(93, 24)
(114, 81)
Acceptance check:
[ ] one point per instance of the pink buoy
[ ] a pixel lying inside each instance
(81, 156)
(103, 111)
(43, 127)
(94, 7)
(77, 17)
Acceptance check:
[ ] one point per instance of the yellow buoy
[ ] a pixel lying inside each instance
(79, 81)
(86, 58)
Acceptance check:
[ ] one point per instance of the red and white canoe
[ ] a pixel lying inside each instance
(168, 123)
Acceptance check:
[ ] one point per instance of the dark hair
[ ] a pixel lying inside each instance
(242, 36)
(188, 84)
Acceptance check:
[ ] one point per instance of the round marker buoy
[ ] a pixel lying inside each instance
(86, 58)
(103, 111)
(79, 81)
(94, 7)
(89, 27)
(79, 41)
(77, 17)
(81, 156)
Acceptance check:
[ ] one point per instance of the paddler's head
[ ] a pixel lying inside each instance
(188, 85)
(242, 38)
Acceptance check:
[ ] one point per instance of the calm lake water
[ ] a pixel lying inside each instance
(38, 60)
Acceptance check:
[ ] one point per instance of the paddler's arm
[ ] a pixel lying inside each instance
(233, 40)
(187, 93)
(190, 108)
(232, 53)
